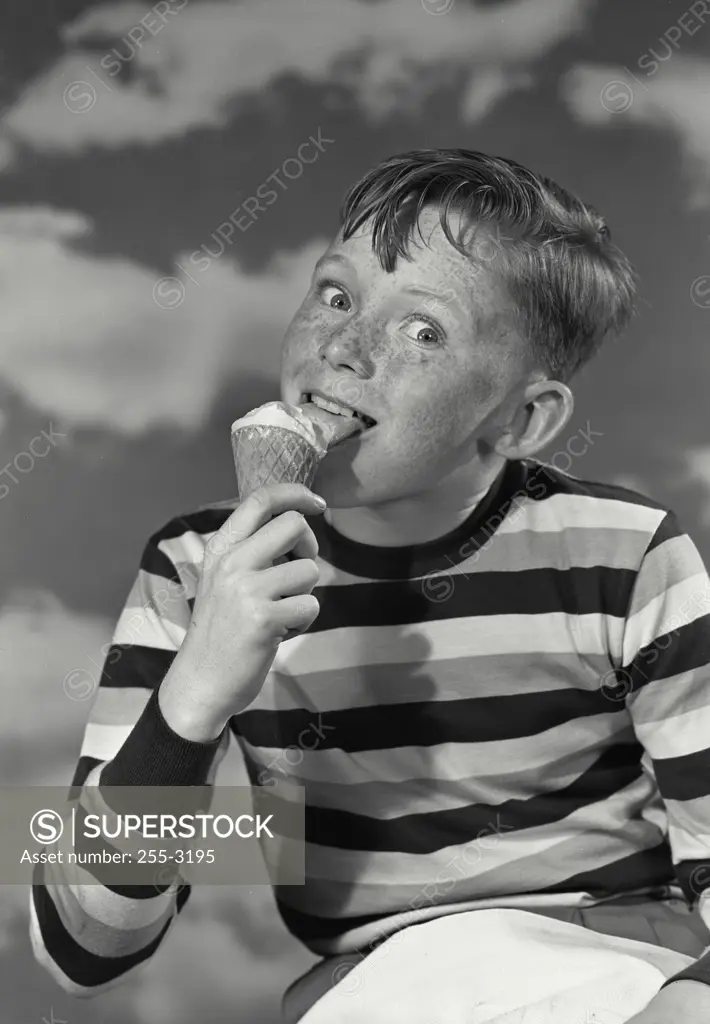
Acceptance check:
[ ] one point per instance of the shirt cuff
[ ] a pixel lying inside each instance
(155, 755)
(698, 971)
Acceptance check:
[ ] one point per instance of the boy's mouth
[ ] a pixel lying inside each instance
(331, 407)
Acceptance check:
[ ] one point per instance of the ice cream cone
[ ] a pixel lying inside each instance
(278, 443)
(268, 455)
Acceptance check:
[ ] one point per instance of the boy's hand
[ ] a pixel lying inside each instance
(244, 607)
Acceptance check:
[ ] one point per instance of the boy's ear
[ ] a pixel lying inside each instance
(543, 411)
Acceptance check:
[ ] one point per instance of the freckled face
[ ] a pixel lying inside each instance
(426, 350)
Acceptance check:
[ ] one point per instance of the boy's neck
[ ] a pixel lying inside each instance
(416, 520)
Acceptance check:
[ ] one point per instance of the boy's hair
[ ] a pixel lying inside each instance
(572, 287)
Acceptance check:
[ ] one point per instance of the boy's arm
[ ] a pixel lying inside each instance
(89, 936)
(666, 658)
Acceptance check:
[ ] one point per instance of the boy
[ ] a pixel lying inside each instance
(557, 700)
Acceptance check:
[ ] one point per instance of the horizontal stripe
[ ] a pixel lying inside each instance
(426, 723)
(691, 816)
(640, 870)
(452, 638)
(452, 761)
(142, 625)
(613, 770)
(386, 799)
(135, 665)
(689, 839)
(687, 649)
(103, 742)
(536, 548)
(559, 482)
(113, 706)
(589, 856)
(202, 521)
(661, 700)
(685, 777)
(574, 591)
(588, 512)
(525, 549)
(688, 731)
(678, 605)
(448, 679)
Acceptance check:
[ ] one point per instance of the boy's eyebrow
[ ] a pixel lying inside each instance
(331, 258)
(429, 293)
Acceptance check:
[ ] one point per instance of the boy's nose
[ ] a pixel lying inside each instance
(344, 351)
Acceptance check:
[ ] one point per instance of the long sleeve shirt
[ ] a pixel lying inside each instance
(514, 715)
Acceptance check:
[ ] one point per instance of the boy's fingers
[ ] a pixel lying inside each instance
(276, 538)
(306, 546)
(289, 579)
(295, 614)
(260, 507)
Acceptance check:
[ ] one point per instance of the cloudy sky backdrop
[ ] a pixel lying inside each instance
(128, 135)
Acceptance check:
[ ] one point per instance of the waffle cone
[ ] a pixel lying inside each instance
(270, 455)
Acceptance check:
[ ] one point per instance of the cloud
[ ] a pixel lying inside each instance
(41, 642)
(631, 481)
(696, 462)
(183, 70)
(673, 99)
(7, 151)
(42, 222)
(487, 88)
(105, 341)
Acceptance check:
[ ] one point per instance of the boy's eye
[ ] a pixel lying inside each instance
(424, 331)
(333, 295)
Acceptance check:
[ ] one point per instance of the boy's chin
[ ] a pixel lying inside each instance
(340, 490)
(342, 487)
(337, 482)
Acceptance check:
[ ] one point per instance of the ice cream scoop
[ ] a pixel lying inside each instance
(278, 442)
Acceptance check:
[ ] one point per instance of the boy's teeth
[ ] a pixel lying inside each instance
(339, 410)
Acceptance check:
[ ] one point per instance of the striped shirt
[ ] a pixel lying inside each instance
(514, 715)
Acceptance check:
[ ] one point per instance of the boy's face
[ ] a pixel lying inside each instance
(440, 375)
